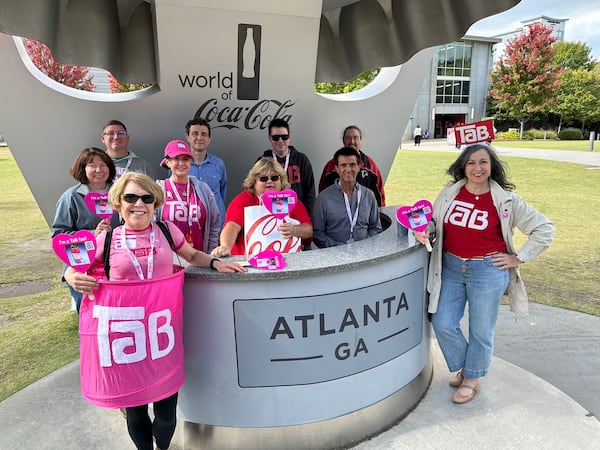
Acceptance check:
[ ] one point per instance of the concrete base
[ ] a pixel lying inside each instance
(341, 432)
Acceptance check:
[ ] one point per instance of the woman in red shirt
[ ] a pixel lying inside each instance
(266, 174)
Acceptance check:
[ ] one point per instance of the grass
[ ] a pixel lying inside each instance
(39, 334)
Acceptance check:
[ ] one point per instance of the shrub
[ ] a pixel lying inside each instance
(543, 134)
(529, 135)
(507, 136)
(570, 135)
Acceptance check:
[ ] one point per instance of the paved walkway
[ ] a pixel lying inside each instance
(587, 158)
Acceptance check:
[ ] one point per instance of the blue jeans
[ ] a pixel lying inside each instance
(481, 284)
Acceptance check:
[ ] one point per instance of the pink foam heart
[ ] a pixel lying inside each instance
(268, 260)
(415, 217)
(280, 203)
(98, 203)
(76, 250)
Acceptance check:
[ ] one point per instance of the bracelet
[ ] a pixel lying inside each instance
(212, 263)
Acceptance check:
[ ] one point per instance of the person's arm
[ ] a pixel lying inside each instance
(380, 184)
(374, 220)
(308, 185)
(201, 259)
(318, 220)
(228, 236)
(537, 227)
(223, 181)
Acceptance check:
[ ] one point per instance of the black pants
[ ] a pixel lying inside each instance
(417, 140)
(141, 429)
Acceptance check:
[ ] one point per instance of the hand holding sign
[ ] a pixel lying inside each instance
(268, 260)
(76, 250)
(416, 217)
(280, 203)
(98, 203)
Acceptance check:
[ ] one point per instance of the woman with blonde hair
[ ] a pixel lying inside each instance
(266, 174)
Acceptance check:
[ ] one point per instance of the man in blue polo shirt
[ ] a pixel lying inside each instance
(206, 166)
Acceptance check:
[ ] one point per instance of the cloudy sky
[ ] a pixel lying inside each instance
(583, 24)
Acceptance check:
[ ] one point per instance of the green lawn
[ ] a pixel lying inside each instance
(39, 333)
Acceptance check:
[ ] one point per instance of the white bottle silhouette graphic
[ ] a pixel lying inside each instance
(248, 54)
(248, 61)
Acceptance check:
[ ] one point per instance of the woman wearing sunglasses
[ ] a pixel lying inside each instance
(140, 251)
(266, 174)
(189, 202)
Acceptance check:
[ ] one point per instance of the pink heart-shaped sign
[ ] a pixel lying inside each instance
(97, 202)
(268, 260)
(280, 203)
(76, 250)
(415, 217)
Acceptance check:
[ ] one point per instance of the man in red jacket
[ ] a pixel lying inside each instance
(369, 174)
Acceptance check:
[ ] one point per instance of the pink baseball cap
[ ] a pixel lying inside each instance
(174, 149)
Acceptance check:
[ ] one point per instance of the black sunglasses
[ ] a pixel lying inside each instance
(283, 137)
(265, 178)
(132, 198)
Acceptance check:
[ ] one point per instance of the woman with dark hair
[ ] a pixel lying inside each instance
(474, 260)
(94, 171)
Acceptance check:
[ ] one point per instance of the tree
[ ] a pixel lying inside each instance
(73, 76)
(347, 86)
(525, 81)
(573, 55)
(579, 96)
(117, 86)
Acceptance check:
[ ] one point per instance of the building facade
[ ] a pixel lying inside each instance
(455, 88)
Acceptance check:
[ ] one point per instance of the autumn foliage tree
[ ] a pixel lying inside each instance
(77, 77)
(525, 80)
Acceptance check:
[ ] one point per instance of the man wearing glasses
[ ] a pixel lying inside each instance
(296, 164)
(114, 136)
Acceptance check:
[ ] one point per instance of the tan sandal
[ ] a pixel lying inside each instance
(457, 379)
(471, 388)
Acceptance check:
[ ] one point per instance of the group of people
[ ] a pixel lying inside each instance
(474, 259)
(190, 207)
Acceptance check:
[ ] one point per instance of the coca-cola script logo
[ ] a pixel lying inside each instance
(263, 235)
(245, 117)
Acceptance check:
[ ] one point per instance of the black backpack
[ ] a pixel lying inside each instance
(108, 240)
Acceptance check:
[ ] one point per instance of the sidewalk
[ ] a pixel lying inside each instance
(514, 408)
(587, 158)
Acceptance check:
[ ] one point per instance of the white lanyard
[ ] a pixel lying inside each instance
(287, 160)
(122, 170)
(188, 203)
(133, 258)
(352, 219)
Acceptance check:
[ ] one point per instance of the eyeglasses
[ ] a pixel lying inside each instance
(273, 178)
(95, 167)
(283, 137)
(119, 133)
(132, 198)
